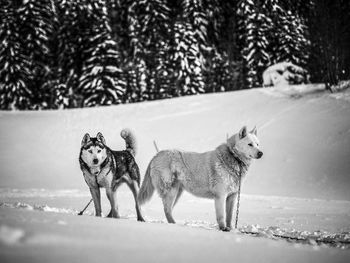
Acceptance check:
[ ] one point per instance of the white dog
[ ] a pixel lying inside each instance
(213, 175)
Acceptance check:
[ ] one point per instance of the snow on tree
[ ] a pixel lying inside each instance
(25, 30)
(256, 26)
(125, 31)
(150, 28)
(271, 34)
(136, 70)
(14, 65)
(101, 81)
(164, 73)
(76, 53)
(289, 39)
(222, 69)
(187, 61)
(194, 13)
(69, 52)
(221, 73)
(37, 20)
(294, 45)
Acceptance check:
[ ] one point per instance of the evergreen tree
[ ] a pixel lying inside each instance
(69, 52)
(25, 30)
(37, 27)
(255, 26)
(89, 59)
(187, 61)
(221, 74)
(15, 71)
(210, 21)
(136, 70)
(150, 28)
(136, 80)
(193, 12)
(329, 24)
(271, 33)
(74, 53)
(223, 61)
(289, 39)
(164, 73)
(102, 81)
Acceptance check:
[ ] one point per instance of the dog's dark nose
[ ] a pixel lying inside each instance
(260, 154)
(95, 161)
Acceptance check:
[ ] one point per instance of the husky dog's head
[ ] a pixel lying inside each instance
(245, 144)
(93, 150)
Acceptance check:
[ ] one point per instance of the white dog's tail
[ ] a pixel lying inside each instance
(130, 141)
(147, 188)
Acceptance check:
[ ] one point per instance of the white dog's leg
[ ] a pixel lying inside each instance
(230, 201)
(178, 195)
(168, 201)
(220, 212)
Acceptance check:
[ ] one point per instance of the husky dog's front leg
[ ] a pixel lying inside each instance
(220, 202)
(112, 197)
(95, 193)
(230, 201)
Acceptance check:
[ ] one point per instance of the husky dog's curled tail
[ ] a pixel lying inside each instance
(147, 188)
(130, 141)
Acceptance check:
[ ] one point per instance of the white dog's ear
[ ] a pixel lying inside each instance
(231, 141)
(86, 139)
(243, 132)
(100, 138)
(254, 131)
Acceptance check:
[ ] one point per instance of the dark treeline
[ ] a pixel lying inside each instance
(82, 53)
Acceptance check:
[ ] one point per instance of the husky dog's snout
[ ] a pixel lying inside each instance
(95, 161)
(260, 154)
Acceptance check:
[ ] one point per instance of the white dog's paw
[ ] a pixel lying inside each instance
(225, 228)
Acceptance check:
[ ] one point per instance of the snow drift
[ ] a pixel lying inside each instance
(304, 132)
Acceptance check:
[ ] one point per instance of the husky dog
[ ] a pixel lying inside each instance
(103, 167)
(213, 175)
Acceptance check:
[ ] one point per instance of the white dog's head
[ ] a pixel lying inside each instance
(245, 144)
(93, 150)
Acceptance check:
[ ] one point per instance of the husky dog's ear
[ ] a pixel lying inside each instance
(100, 138)
(243, 132)
(254, 131)
(86, 139)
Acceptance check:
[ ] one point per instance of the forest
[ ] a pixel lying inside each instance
(57, 54)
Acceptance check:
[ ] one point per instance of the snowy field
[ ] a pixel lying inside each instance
(295, 205)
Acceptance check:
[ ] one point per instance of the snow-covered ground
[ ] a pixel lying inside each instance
(299, 189)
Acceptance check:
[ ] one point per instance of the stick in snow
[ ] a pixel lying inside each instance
(82, 211)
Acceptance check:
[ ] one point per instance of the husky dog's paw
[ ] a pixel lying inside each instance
(110, 215)
(140, 219)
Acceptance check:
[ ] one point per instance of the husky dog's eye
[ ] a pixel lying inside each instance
(90, 151)
(99, 151)
(250, 144)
